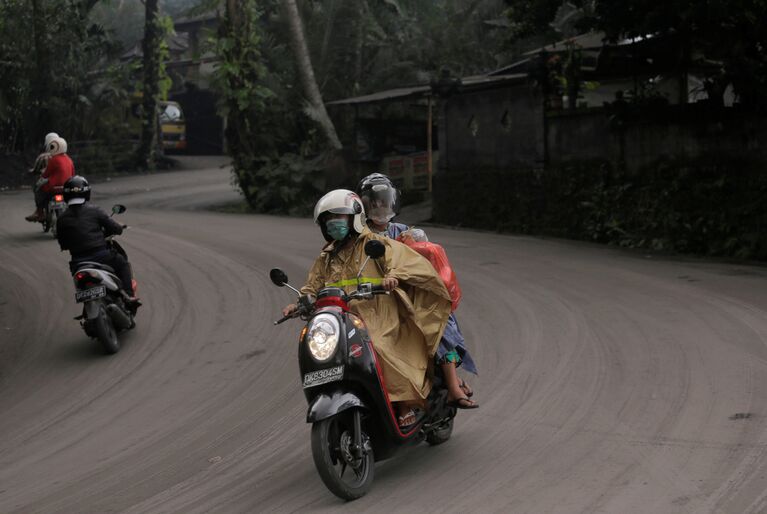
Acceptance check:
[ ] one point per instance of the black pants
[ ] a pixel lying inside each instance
(113, 259)
(42, 198)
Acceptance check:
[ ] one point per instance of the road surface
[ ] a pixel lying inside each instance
(611, 382)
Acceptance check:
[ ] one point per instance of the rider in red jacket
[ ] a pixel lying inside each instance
(59, 169)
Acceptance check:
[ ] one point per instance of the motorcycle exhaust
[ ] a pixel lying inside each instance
(120, 319)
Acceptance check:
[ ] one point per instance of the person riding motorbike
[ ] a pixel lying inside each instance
(82, 230)
(381, 201)
(58, 169)
(407, 324)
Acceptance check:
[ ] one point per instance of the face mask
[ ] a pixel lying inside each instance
(337, 229)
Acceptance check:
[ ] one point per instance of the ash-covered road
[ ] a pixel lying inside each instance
(610, 382)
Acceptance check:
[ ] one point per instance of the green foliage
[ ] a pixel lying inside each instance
(704, 207)
(260, 124)
(165, 26)
(289, 184)
(54, 76)
(731, 34)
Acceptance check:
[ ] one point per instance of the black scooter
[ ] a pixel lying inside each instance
(105, 309)
(353, 423)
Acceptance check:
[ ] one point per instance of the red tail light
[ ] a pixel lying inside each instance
(59, 198)
(80, 275)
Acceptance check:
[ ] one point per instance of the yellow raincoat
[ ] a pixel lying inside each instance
(405, 326)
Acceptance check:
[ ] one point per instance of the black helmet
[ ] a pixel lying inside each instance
(76, 190)
(379, 196)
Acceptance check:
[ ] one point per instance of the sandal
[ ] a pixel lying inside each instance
(468, 391)
(463, 403)
(407, 419)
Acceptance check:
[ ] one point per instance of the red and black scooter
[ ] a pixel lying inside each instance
(353, 423)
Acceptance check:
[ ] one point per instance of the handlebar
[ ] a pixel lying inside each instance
(305, 305)
(283, 319)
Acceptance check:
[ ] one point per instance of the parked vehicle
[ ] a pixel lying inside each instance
(172, 126)
(105, 310)
(353, 422)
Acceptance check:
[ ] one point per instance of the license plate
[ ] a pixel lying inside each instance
(91, 294)
(323, 376)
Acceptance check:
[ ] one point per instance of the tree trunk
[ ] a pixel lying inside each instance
(41, 87)
(151, 68)
(359, 35)
(306, 73)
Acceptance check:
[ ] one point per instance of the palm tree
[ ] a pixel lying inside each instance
(315, 107)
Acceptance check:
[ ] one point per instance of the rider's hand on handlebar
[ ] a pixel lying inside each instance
(390, 283)
(289, 309)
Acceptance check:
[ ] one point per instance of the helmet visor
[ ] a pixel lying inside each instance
(380, 202)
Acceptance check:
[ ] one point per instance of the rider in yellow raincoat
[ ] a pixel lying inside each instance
(406, 326)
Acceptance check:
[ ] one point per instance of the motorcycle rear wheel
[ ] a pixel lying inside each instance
(105, 332)
(52, 224)
(346, 477)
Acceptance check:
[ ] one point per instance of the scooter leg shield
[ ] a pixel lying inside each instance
(330, 403)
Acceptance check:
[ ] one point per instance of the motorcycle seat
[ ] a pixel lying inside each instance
(96, 265)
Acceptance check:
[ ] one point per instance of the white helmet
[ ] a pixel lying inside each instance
(56, 146)
(50, 136)
(341, 201)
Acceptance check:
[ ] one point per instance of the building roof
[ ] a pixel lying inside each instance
(590, 40)
(515, 67)
(400, 93)
(205, 18)
(424, 90)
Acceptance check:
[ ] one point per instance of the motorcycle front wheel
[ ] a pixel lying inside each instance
(347, 476)
(46, 220)
(105, 331)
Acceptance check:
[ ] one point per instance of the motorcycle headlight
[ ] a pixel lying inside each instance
(322, 337)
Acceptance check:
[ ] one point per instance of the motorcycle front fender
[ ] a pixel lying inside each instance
(330, 403)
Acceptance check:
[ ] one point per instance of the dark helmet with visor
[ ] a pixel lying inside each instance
(380, 197)
(76, 190)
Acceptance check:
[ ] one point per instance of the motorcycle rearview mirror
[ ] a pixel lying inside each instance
(375, 249)
(118, 209)
(280, 278)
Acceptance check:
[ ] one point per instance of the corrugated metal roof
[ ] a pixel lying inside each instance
(399, 93)
(519, 65)
(584, 41)
(402, 93)
(589, 41)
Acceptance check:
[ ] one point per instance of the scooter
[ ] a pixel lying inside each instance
(105, 308)
(353, 422)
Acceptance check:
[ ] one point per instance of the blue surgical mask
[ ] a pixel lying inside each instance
(337, 229)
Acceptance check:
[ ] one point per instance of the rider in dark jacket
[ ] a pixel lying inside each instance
(82, 229)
